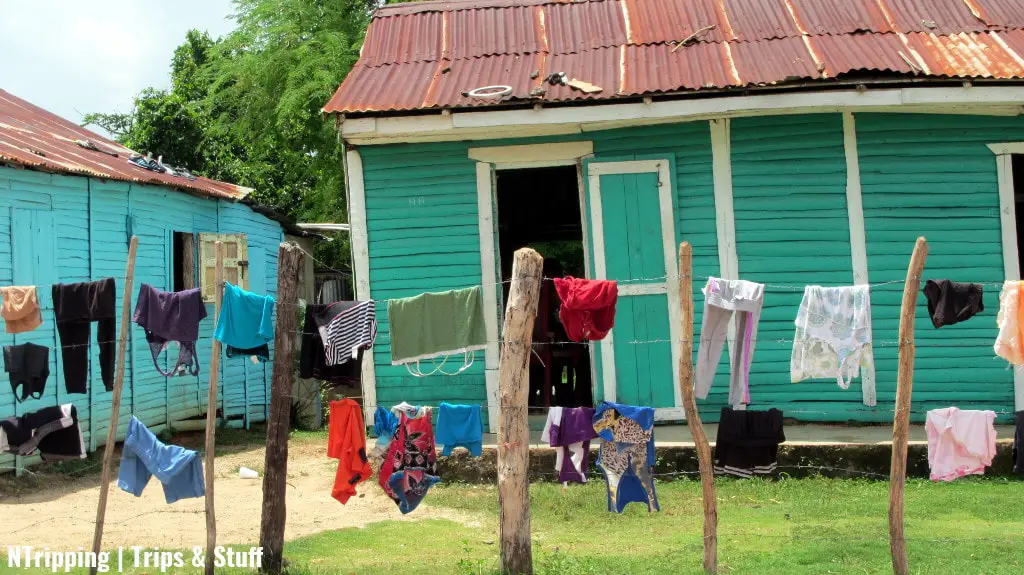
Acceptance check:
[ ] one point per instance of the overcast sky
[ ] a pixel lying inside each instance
(73, 57)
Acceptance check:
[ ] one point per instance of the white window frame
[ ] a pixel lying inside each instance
(1008, 224)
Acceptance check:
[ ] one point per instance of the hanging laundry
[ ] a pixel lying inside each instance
(410, 485)
(626, 455)
(460, 426)
(76, 306)
(722, 299)
(569, 430)
(261, 352)
(1010, 341)
(411, 450)
(167, 317)
(433, 325)
(748, 442)
(1018, 443)
(246, 322)
(52, 431)
(833, 337)
(180, 470)
(384, 425)
(960, 442)
(346, 329)
(588, 307)
(346, 442)
(28, 365)
(952, 302)
(312, 358)
(20, 308)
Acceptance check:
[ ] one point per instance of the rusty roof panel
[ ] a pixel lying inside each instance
(1008, 13)
(1014, 42)
(934, 16)
(599, 67)
(402, 86)
(966, 55)
(759, 19)
(773, 62)
(623, 46)
(466, 75)
(661, 21)
(584, 26)
(845, 53)
(477, 33)
(32, 137)
(402, 39)
(831, 17)
(656, 68)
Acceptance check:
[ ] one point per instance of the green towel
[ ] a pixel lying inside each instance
(436, 324)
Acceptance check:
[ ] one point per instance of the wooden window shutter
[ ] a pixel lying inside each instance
(236, 262)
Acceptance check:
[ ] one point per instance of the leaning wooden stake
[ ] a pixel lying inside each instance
(115, 404)
(700, 440)
(211, 412)
(514, 431)
(275, 476)
(901, 421)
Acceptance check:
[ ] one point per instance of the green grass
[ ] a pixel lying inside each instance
(788, 526)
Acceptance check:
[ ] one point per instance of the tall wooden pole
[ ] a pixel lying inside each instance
(700, 440)
(514, 431)
(115, 404)
(275, 476)
(901, 420)
(211, 412)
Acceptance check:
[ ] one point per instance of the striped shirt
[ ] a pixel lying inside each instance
(353, 329)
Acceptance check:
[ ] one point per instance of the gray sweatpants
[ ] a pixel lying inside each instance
(723, 299)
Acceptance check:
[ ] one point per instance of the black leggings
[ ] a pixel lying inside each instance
(76, 306)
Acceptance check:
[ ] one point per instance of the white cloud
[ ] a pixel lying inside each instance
(73, 57)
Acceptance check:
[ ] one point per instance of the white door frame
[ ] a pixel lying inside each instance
(671, 285)
(1008, 223)
(490, 159)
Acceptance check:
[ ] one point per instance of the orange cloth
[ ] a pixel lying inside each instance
(20, 308)
(346, 442)
(1010, 341)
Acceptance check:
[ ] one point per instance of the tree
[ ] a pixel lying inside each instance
(247, 108)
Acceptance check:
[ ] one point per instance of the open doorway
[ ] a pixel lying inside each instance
(540, 208)
(1018, 200)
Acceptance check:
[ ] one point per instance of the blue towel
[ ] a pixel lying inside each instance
(459, 426)
(180, 470)
(246, 319)
(384, 425)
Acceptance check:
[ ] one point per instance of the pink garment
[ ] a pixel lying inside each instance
(960, 442)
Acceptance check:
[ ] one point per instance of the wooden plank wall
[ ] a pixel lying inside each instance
(92, 221)
(933, 176)
(792, 229)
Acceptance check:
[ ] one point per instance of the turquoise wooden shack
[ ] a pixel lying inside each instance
(69, 202)
(791, 143)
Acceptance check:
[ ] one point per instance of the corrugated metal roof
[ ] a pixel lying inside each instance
(427, 54)
(32, 137)
(834, 17)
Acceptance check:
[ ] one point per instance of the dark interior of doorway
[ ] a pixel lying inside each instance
(540, 208)
(1018, 200)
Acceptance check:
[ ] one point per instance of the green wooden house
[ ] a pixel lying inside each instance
(790, 142)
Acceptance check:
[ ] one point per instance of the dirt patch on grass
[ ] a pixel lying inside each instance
(61, 514)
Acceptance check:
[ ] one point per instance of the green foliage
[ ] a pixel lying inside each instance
(246, 108)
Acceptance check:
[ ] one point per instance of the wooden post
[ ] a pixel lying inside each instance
(901, 420)
(700, 440)
(115, 404)
(275, 474)
(514, 431)
(211, 411)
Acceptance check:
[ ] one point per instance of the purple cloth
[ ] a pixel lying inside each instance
(576, 426)
(166, 317)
